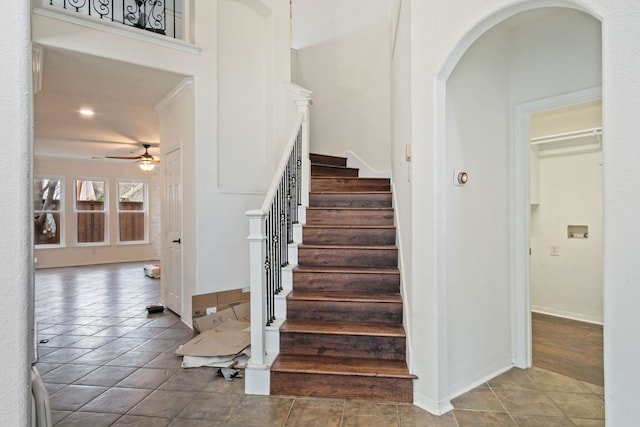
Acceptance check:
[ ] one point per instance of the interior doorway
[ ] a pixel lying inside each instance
(566, 211)
(566, 256)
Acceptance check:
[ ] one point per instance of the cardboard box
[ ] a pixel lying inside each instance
(228, 338)
(239, 312)
(205, 304)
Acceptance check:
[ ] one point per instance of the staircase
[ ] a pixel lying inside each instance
(343, 336)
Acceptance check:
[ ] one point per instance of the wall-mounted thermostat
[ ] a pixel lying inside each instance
(460, 177)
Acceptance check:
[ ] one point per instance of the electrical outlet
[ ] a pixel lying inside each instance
(555, 250)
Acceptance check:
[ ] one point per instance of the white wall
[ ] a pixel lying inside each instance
(477, 214)
(570, 284)
(222, 251)
(553, 55)
(343, 56)
(16, 258)
(243, 96)
(439, 37)
(70, 253)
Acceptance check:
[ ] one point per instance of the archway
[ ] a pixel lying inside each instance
(534, 53)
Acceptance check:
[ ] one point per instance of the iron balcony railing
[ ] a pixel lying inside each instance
(158, 16)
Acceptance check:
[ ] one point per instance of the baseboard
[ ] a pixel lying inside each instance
(430, 405)
(257, 378)
(365, 170)
(492, 372)
(566, 315)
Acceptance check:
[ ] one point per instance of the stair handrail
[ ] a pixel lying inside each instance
(270, 227)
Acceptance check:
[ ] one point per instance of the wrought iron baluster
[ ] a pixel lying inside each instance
(279, 220)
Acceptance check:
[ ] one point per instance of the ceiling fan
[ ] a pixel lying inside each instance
(146, 161)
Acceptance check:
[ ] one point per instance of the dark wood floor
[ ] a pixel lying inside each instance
(568, 347)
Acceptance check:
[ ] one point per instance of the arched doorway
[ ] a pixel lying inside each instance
(533, 54)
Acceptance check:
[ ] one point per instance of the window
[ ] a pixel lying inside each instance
(90, 211)
(47, 197)
(132, 211)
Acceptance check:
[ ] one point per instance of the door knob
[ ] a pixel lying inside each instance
(176, 241)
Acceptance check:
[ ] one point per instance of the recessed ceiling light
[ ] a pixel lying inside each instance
(87, 112)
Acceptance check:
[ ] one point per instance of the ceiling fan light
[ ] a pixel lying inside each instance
(146, 165)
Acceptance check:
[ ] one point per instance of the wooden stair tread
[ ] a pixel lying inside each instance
(359, 192)
(328, 165)
(316, 158)
(344, 328)
(354, 226)
(371, 247)
(341, 366)
(347, 270)
(351, 208)
(350, 178)
(345, 296)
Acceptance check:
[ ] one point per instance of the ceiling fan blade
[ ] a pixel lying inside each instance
(122, 157)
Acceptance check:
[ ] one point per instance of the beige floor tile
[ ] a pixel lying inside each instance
(550, 381)
(540, 421)
(369, 408)
(479, 399)
(148, 378)
(589, 406)
(528, 402)
(193, 380)
(84, 419)
(388, 420)
(182, 422)
(412, 416)
(310, 412)
(597, 389)
(163, 403)
(262, 411)
(116, 400)
(482, 419)
(514, 379)
(211, 406)
(105, 376)
(579, 422)
(72, 397)
(141, 421)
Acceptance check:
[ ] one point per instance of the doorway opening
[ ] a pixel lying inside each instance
(565, 229)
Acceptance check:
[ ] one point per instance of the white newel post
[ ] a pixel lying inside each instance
(303, 107)
(257, 239)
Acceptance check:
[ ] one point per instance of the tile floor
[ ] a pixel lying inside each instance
(105, 362)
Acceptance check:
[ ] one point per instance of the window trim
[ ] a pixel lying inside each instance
(145, 211)
(61, 211)
(105, 211)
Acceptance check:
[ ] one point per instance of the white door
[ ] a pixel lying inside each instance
(172, 265)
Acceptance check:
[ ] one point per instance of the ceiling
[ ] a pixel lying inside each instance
(122, 95)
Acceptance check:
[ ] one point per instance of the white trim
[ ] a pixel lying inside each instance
(430, 405)
(498, 369)
(441, 182)
(117, 28)
(366, 170)
(173, 94)
(566, 315)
